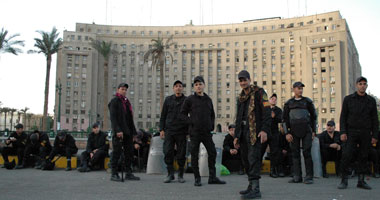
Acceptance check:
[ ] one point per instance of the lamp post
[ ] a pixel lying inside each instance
(58, 88)
(89, 121)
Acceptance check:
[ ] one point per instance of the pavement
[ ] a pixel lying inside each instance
(59, 184)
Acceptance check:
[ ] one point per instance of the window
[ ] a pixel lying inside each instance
(323, 59)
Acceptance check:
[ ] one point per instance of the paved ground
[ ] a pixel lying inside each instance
(59, 184)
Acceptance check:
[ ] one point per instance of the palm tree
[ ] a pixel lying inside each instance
(158, 55)
(12, 111)
(104, 48)
(24, 111)
(5, 110)
(7, 45)
(28, 117)
(48, 44)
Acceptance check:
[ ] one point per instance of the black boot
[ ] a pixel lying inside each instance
(343, 184)
(281, 171)
(68, 167)
(215, 180)
(180, 175)
(38, 163)
(249, 188)
(308, 180)
(273, 172)
(197, 181)
(295, 179)
(254, 193)
(115, 177)
(131, 177)
(21, 164)
(84, 168)
(324, 173)
(361, 183)
(376, 171)
(170, 176)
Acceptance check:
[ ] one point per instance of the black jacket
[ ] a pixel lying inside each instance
(170, 120)
(262, 114)
(121, 121)
(325, 140)
(228, 143)
(97, 141)
(202, 115)
(69, 142)
(304, 105)
(43, 141)
(276, 120)
(20, 140)
(359, 113)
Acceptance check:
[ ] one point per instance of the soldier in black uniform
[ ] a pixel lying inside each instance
(273, 140)
(38, 144)
(96, 150)
(330, 147)
(300, 119)
(64, 144)
(123, 130)
(374, 158)
(16, 143)
(231, 156)
(253, 127)
(174, 131)
(358, 124)
(202, 118)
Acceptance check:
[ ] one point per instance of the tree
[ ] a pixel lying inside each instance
(8, 45)
(104, 49)
(158, 55)
(48, 44)
(24, 111)
(12, 111)
(5, 110)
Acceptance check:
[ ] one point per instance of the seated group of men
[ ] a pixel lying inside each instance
(35, 149)
(330, 148)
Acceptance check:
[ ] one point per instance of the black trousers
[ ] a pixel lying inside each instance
(296, 155)
(354, 138)
(178, 140)
(232, 162)
(7, 151)
(141, 156)
(125, 146)
(207, 141)
(39, 151)
(63, 151)
(373, 156)
(97, 158)
(251, 156)
(274, 145)
(330, 154)
(286, 161)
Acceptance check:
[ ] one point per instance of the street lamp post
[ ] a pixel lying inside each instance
(59, 89)
(89, 121)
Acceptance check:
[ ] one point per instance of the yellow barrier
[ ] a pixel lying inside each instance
(61, 163)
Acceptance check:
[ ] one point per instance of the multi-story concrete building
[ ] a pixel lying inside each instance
(317, 50)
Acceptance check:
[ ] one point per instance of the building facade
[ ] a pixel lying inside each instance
(317, 50)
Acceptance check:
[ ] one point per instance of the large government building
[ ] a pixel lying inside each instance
(317, 50)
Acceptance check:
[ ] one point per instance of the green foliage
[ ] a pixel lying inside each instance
(8, 44)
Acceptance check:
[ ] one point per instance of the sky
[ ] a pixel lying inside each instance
(22, 77)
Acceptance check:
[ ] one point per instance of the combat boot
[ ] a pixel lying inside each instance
(254, 193)
(361, 183)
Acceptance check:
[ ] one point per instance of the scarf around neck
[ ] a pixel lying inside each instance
(125, 103)
(251, 114)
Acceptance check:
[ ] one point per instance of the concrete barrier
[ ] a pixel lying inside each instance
(156, 164)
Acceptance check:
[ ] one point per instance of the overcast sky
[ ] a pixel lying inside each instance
(22, 77)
